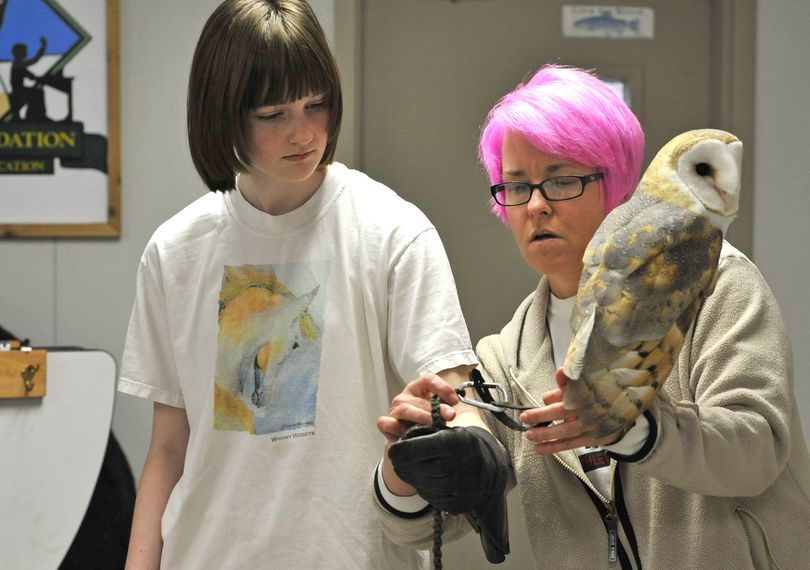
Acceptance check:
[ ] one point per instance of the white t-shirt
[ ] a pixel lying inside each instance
(284, 338)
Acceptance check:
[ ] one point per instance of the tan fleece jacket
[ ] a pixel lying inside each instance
(727, 481)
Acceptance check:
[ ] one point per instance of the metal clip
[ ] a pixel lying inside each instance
(497, 407)
(492, 407)
(28, 376)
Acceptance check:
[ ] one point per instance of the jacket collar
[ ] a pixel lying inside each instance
(522, 358)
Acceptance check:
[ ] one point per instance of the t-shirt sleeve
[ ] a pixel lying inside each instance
(426, 329)
(148, 367)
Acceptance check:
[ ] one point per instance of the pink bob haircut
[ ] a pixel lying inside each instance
(569, 113)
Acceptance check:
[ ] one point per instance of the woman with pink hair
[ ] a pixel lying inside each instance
(706, 477)
(564, 111)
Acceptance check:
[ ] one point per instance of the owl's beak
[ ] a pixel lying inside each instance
(730, 204)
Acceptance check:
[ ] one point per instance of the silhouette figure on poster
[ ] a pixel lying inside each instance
(32, 99)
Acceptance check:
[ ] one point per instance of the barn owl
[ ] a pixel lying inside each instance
(646, 271)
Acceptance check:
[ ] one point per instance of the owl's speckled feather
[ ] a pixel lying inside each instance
(646, 272)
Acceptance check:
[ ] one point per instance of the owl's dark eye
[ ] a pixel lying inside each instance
(703, 169)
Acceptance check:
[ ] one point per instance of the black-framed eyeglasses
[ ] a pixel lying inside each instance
(554, 189)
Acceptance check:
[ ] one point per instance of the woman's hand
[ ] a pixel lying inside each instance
(566, 431)
(412, 406)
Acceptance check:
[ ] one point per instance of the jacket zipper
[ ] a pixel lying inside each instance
(612, 525)
(611, 519)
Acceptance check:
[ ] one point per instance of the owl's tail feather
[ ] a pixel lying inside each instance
(611, 399)
(575, 358)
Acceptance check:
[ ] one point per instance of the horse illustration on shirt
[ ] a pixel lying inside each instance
(268, 353)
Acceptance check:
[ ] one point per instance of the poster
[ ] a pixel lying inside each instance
(59, 120)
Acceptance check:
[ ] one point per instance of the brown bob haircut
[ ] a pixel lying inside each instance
(253, 53)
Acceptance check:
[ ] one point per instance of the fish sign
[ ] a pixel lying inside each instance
(610, 22)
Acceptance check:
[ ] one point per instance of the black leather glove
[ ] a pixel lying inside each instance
(460, 470)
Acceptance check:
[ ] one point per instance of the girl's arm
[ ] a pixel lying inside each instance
(162, 470)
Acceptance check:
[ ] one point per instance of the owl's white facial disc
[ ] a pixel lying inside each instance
(711, 171)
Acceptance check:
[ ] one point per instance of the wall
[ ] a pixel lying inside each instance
(781, 159)
(79, 292)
